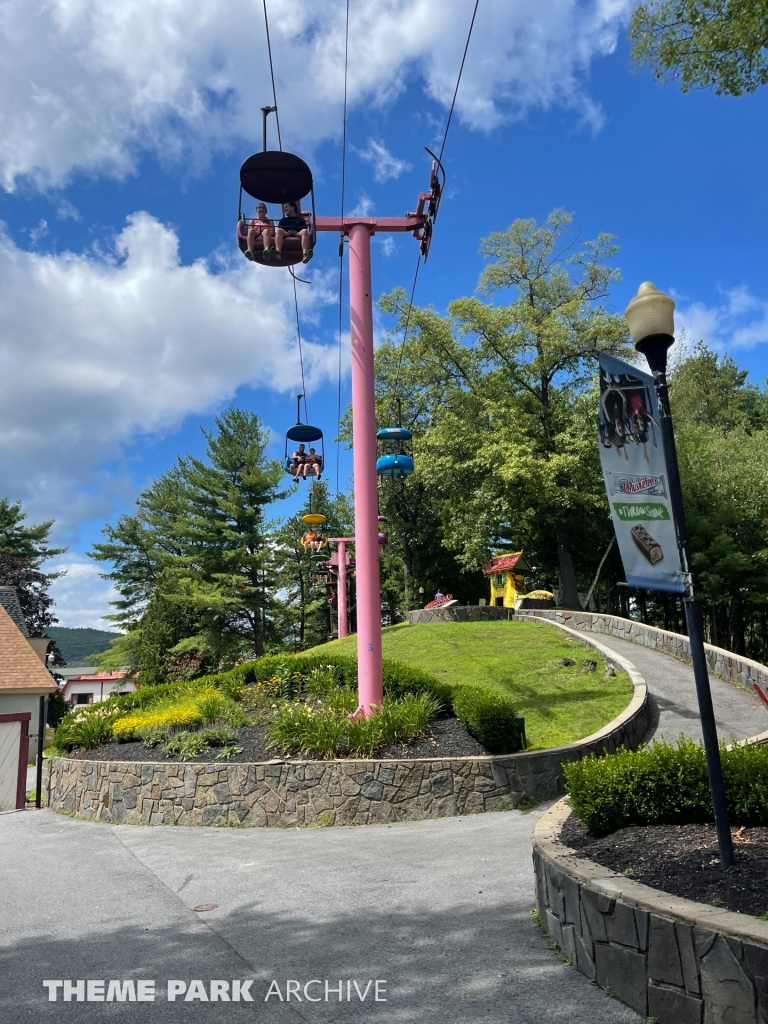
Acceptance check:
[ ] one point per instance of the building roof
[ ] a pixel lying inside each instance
(9, 600)
(20, 667)
(505, 563)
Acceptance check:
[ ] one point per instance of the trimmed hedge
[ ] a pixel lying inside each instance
(489, 717)
(666, 784)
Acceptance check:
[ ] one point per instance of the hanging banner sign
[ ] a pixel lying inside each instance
(636, 480)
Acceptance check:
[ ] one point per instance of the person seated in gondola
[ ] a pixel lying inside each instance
(312, 464)
(297, 462)
(263, 226)
(293, 224)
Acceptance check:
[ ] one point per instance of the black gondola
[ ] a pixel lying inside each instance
(277, 177)
(303, 434)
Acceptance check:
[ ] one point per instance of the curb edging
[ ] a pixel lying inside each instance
(668, 958)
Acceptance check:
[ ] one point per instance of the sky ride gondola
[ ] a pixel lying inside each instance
(305, 436)
(314, 539)
(276, 177)
(395, 451)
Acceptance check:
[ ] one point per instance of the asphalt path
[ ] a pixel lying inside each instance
(739, 712)
(438, 911)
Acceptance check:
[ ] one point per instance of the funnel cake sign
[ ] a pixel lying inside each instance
(635, 472)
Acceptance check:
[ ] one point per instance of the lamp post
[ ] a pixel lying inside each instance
(650, 316)
(421, 597)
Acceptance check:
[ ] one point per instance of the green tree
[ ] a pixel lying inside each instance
(508, 393)
(723, 450)
(141, 547)
(31, 543)
(720, 44)
(303, 610)
(194, 566)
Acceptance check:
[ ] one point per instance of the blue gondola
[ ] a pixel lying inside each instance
(304, 434)
(395, 461)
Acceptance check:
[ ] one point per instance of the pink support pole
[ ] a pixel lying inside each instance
(342, 605)
(369, 669)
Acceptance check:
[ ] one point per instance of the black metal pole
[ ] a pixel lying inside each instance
(655, 350)
(40, 743)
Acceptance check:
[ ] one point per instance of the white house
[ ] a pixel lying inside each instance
(88, 689)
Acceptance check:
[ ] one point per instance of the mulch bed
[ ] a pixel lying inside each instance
(682, 860)
(449, 739)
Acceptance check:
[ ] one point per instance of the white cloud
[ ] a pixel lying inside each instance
(364, 206)
(88, 84)
(99, 349)
(740, 321)
(388, 245)
(82, 597)
(67, 211)
(39, 232)
(385, 165)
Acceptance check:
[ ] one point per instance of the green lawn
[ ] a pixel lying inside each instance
(560, 704)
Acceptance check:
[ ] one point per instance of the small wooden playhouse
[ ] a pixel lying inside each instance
(507, 574)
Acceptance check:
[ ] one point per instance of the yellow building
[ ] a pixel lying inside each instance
(507, 578)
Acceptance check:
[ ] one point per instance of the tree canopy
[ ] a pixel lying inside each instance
(718, 44)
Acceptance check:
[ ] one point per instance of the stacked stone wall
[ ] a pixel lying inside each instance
(343, 792)
(672, 960)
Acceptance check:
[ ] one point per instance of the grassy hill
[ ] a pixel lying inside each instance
(77, 645)
(560, 703)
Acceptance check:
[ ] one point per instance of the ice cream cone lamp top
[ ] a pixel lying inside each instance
(651, 320)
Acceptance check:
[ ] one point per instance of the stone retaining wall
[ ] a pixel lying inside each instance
(460, 613)
(672, 960)
(332, 792)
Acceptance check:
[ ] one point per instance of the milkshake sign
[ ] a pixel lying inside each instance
(635, 473)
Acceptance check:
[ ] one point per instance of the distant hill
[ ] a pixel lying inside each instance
(78, 645)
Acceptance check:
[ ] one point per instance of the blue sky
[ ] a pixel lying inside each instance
(128, 318)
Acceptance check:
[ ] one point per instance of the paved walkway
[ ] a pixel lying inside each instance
(440, 909)
(739, 712)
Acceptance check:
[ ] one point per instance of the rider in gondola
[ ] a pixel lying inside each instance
(292, 224)
(263, 226)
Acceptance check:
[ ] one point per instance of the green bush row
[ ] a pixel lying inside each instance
(489, 717)
(666, 784)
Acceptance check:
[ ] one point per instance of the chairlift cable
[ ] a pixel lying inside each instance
(407, 322)
(341, 242)
(458, 80)
(280, 144)
(442, 150)
(301, 357)
(272, 74)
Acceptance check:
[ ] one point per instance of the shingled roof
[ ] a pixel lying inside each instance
(9, 600)
(505, 563)
(20, 667)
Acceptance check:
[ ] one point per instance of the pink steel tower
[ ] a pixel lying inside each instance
(359, 230)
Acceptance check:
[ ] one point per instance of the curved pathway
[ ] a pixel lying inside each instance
(438, 908)
(739, 712)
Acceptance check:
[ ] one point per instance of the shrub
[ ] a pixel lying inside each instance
(229, 751)
(489, 717)
(186, 744)
(328, 731)
(665, 784)
(87, 727)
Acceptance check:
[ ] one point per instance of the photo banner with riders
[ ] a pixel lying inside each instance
(636, 478)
